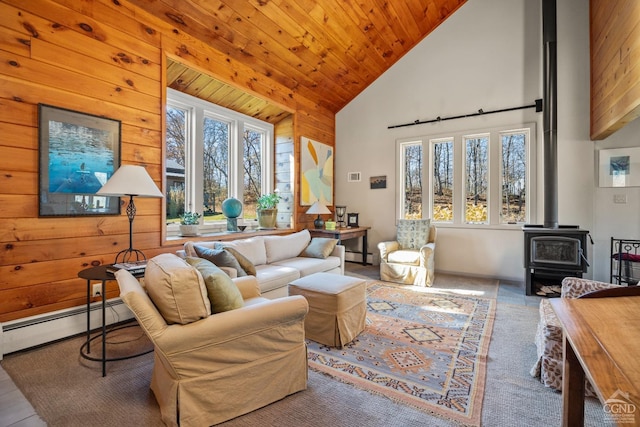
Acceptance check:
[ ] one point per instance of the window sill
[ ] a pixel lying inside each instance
(221, 236)
(501, 227)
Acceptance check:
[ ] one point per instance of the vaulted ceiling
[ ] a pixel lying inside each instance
(326, 50)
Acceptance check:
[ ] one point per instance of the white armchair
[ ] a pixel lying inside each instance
(409, 259)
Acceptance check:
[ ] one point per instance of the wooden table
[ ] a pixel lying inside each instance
(601, 342)
(345, 234)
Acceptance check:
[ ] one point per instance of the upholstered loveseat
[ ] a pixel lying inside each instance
(276, 261)
(220, 349)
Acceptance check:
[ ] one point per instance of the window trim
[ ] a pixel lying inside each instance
(494, 173)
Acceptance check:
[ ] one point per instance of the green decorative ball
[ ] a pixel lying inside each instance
(232, 208)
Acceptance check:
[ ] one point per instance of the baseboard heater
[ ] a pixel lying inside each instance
(42, 329)
(352, 256)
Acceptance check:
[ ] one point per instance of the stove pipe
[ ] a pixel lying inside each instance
(550, 114)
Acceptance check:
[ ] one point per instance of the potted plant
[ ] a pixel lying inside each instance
(189, 223)
(267, 210)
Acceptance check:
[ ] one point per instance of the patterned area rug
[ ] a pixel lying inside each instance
(420, 348)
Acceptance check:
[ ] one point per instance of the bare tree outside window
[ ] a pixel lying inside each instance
(412, 181)
(213, 153)
(514, 177)
(476, 179)
(442, 187)
(480, 195)
(252, 160)
(216, 165)
(175, 162)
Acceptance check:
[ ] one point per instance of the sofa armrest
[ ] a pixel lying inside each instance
(228, 339)
(339, 251)
(249, 287)
(426, 254)
(386, 247)
(231, 272)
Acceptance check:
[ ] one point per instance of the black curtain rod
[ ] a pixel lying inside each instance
(537, 105)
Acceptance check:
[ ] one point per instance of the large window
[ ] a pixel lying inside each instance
(472, 178)
(213, 153)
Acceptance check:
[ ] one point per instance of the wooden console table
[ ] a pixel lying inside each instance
(601, 342)
(345, 234)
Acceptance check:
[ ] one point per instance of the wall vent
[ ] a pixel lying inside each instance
(353, 177)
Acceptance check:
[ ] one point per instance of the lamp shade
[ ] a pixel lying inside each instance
(318, 208)
(130, 180)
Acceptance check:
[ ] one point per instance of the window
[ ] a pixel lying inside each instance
(514, 176)
(474, 178)
(213, 153)
(442, 178)
(412, 167)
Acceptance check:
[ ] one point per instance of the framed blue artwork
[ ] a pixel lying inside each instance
(78, 153)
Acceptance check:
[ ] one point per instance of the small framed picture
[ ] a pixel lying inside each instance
(378, 182)
(352, 219)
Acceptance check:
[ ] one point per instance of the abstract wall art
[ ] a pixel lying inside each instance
(316, 177)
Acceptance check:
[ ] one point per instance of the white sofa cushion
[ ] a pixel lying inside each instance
(271, 276)
(404, 257)
(307, 266)
(285, 247)
(253, 249)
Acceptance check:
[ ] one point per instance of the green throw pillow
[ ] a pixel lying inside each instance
(244, 262)
(222, 292)
(220, 257)
(319, 247)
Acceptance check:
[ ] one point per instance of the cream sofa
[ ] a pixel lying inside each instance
(212, 365)
(277, 259)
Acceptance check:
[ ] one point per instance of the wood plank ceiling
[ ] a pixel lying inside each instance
(326, 50)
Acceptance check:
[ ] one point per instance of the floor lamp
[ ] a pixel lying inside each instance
(130, 180)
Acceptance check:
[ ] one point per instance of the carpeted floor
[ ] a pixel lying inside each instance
(67, 390)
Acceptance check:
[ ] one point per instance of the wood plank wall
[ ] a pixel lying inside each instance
(104, 58)
(615, 65)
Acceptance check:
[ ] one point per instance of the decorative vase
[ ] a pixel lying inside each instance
(267, 218)
(189, 230)
(232, 208)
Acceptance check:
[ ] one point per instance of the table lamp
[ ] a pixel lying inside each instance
(130, 180)
(340, 212)
(318, 208)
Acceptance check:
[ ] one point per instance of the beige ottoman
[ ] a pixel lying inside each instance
(337, 307)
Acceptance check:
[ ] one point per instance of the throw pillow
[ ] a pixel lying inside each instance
(319, 247)
(413, 233)
(223, 294)
(176, 289)
(220, 257)
(244, 262)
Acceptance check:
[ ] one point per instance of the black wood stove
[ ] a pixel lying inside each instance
(551, 254)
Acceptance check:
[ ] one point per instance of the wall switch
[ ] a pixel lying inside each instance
(97, 290)
(619, 198)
